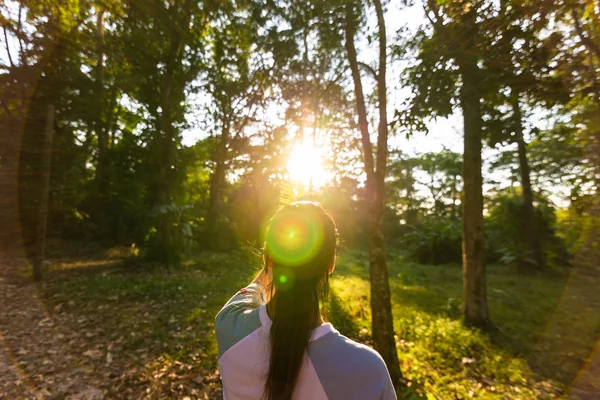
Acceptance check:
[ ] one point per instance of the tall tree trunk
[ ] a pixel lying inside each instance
(411, 212)
(381, 308)
(529, 229)
(43, 211)
(381, 304)
(217, 186)
(166, 249)
(474, 280)
(100, 127)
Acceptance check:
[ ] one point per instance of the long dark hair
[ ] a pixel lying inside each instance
(300, 247)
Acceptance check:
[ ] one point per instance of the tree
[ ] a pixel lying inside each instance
(376, 168)
(48, 70)
(521, 64)
(448, 73)
(236, 83)
(162, 70)
(578, 62)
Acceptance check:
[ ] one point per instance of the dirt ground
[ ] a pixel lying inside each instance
(47, 354)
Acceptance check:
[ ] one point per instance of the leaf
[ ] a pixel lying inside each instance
(93, 354)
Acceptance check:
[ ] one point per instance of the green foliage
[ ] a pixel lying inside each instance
(503, 229)
(347, 200)
(465, 355)
(435, 241)
(139, 74)
(180, 231)
(434, 78)
(579, 228)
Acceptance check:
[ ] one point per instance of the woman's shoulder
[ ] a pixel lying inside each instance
(346, 354)
(348, 369)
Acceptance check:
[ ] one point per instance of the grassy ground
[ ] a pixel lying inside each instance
(148, 333)
(546, 328)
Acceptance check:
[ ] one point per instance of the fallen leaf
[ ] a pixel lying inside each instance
(94, 354)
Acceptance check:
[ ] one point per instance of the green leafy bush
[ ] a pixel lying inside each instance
(436, 241)
(503, 237)
(180, 231)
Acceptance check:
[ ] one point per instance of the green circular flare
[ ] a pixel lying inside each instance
(284, 278)
(293, 238)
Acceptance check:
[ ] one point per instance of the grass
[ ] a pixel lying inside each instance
(452, 361)
(159, 324)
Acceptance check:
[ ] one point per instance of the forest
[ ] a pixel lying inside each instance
(145, 144)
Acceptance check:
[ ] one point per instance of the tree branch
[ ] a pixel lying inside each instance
(589, 43)
(7, 48)
(361, 109)
(369, 69)
(19, 34)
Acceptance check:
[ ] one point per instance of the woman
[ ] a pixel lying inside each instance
(273, 342)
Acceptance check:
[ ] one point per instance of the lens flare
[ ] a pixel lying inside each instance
(293, 239)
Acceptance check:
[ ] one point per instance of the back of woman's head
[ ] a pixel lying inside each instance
(300, 248)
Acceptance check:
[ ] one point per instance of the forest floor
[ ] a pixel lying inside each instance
(104, 325)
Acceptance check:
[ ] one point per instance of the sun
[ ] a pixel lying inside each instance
(305, 165)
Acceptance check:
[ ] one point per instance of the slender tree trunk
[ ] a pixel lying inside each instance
(411, 212)
(101, 128)
(381, 304)
(166, 251)
(474, 279)
(217, 186)
(43, 212)
(453, 211)
(361, 109)
(529, 230)
(381, 308)
(434, 195)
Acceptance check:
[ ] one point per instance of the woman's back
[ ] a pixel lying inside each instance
(335, 367)
(273, 343)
